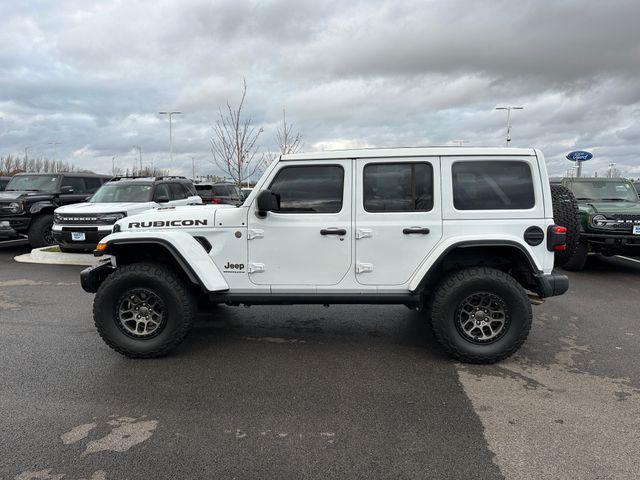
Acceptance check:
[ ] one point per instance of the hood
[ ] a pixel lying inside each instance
(624, 208)
(15, 195)
(92, 208)
(190, 216)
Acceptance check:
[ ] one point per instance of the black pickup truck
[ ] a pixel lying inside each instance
(28, 202)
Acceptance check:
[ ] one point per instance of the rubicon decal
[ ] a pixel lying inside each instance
(168, 223)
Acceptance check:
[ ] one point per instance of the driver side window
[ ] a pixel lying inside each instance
(162, 193)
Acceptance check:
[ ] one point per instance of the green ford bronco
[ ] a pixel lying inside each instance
(609, 219)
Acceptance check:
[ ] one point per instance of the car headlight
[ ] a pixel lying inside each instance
(57, 218)
(601, 221)
(15, 207)
(110, 218)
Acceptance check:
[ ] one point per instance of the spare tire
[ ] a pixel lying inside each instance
(565, 213)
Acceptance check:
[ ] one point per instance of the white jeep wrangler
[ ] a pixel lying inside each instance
(466, 234)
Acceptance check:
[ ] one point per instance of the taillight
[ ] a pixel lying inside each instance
(556, 238)
(215, 200)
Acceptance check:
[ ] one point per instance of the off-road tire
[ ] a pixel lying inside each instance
(180, 306)
(565, 213)
(459, 285)
(40, 234)
(578, 259)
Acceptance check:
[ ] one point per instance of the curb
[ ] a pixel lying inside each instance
(53, 256)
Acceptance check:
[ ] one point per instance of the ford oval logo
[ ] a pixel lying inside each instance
(579, 156)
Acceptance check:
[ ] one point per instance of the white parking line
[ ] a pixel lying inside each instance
(627, 258)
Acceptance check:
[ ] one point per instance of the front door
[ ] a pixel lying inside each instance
(308, 240)
(398, 217)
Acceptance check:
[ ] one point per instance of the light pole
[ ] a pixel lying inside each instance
(508, 109)
(193, 169)
(139, 148)
(113, 165)
(26, 154)
(170, 115)
(611, 169)
(55, 149)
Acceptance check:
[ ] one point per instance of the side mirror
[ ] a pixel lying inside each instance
(66, 189)
(162, 199)
(267, 202)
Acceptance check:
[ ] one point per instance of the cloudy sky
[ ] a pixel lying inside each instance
(93, 75)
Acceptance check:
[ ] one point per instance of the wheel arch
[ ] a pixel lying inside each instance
(185, 254)
(42, 207)
(506, 255)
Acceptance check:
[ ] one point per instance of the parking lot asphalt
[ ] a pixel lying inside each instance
(306, 391)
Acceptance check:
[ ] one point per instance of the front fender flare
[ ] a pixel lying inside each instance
(40, 206)
(186, 250)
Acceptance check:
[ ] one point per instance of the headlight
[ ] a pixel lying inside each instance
(15, 207)
(57, 218)
(110, 218)
(601, 221)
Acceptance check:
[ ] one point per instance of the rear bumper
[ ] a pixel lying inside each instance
(91, 278)
(552, 284)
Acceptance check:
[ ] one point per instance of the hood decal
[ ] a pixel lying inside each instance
(169, 223)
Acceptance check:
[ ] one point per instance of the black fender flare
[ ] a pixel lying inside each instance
(38, 207)
(475, 244)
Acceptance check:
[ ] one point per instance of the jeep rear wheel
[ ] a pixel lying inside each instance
(40, 233)
(480, 315)
(143, 310)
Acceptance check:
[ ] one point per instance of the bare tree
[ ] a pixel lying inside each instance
(288, 141)
(234, 142)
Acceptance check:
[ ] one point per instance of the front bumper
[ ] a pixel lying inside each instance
(11, 227)
(91, 278)
(551, 284)
(613, 243)
(92, 237)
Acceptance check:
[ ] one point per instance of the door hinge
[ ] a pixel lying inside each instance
(364, 267)
(363, 233)
(256, 267)
(251, 234)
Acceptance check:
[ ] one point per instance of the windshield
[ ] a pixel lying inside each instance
(605, 191)
(40, 183)
(122, 192)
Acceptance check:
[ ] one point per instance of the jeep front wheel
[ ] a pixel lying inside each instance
(143, 310)
(40, 233)
(480, 315)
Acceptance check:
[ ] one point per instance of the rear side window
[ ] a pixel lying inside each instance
(398, 187)
(309, 189)
(492, 185)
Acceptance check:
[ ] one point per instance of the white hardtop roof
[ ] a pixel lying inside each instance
(409, 152)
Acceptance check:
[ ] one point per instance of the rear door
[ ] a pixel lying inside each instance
(398, 217)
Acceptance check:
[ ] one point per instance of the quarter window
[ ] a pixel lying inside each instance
(492, 185)
(309, 189)
(398, 187)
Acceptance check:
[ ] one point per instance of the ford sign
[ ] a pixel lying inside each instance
(579, 156)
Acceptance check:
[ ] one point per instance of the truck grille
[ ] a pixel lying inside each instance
(4, 209)
(625, 222)
(79, 220)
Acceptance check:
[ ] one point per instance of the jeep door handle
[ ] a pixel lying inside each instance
(419, 230)
(333, 231)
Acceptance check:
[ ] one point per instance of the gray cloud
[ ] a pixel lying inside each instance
(381, 73)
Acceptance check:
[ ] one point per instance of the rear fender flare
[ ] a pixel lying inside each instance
(441, 252)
